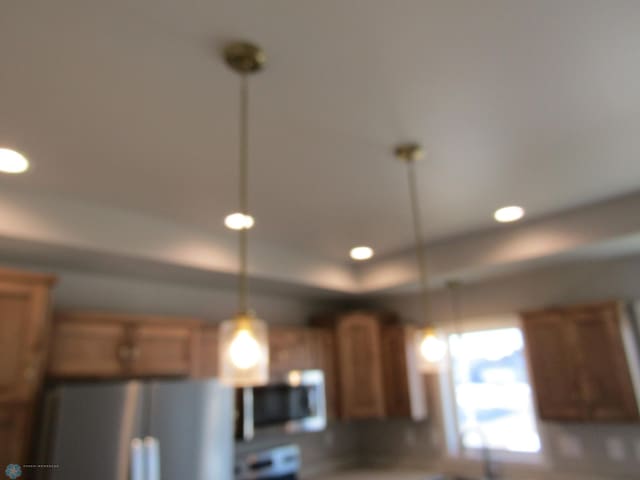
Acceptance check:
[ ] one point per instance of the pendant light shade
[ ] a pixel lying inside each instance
(243, 342)
(244, 352)
(432, 350)
(431, 346)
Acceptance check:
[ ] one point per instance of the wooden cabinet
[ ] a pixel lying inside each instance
(208, 352)
(323, 357)
(403, 383)
(607, 386)
(302, 348)
(24, 309)
(374, 364)
(87, 349)
(24, 328)
(289, 349)
(165, 348)
(97, 345)
(578, 363)
(360, 366)
(14, 433)
(553, 364)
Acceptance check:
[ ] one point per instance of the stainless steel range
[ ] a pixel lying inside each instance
(279, 463)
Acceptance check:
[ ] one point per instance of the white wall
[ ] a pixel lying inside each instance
(580, 449)
(77, 289)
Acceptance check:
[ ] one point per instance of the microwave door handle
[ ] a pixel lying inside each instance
(312, 395)
(151, 447)
(136, 466)
(248, 424)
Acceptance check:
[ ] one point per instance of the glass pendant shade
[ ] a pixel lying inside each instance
(432, 350)
(244, 352)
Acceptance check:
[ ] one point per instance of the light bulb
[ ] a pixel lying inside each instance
(508, 214)
(12, 161)
(295, 378)
(432, 348)
(361, 253)
(244, 350)
(238, 221)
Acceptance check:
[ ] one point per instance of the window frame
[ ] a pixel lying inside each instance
(454, 446)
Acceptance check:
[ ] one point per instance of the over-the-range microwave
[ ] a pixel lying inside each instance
(296, 403)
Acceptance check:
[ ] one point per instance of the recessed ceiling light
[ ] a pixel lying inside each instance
(12, 161)
(509, 214)
(361, 253)
(239, 221)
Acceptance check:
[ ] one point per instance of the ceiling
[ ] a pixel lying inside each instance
(127, 105)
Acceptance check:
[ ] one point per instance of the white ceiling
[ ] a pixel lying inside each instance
(127, 104)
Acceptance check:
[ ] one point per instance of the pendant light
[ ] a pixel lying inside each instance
(432, 348)
(243, 342)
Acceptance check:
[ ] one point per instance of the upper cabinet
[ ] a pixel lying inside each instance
(403, 383)
(24, 328)
(208, 364)
(170, 347)
(301, 348)
(24, 331)
(323, 357)
(289, 349)
(579, 363)
(376, 367)
(360, 366)
(87, 348)
(551, 350)
(98, 345)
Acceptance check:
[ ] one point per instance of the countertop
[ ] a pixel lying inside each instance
(409, 474)
(379, 474)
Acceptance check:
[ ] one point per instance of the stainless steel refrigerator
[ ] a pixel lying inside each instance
(157, 430)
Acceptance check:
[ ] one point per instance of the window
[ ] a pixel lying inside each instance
(491, 392)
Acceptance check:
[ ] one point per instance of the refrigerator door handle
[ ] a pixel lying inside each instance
(151, 447)
(137, 463)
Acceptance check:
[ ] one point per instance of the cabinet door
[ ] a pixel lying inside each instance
(323, 357)
(164, 349)
(394, 367)
(404, 387)
(609, 392)
(289, 349)
(557, 382)
(23, 327)
(14, 427)
(88, 349)
(208, 352)
(358, 337)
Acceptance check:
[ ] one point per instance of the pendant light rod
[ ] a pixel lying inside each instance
(410, 153)
(419, 237)
(243, 195)
(244, 58)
